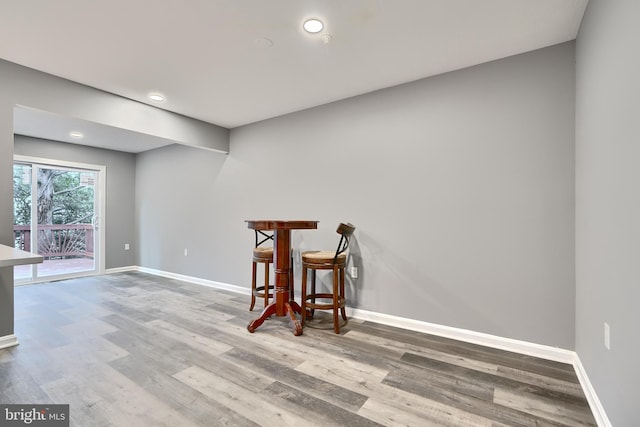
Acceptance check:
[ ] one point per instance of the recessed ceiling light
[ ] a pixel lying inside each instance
(157, 97)
(313, 25)
(76, 134)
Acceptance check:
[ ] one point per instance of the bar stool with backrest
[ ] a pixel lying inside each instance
(264, 255)
(261, 255)
(327, 260)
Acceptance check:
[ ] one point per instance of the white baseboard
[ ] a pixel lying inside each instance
(8, 341)
(196, 280)
(488, 340)
(121, 269)
(590, 393)
(517, 346)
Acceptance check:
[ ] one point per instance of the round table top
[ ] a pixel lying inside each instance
(275, 224)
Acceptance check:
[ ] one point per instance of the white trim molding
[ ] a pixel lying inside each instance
(522, 347)
(590, 393)
(197, 281)
(8, 341)
(121, 269)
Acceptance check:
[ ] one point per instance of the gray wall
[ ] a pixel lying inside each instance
(120, 190)
(608, 203)
(461, 186)
(175, 211)
(27, 87)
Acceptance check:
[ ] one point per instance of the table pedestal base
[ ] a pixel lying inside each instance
(283, 303)
(290, 309)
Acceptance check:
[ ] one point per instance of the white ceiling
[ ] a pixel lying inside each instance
(210, 58)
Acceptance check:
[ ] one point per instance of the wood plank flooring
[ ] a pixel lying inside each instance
(132, 349)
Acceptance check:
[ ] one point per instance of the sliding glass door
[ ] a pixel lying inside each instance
(56, 215)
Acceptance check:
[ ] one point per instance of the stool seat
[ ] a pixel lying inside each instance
(263, 254)
(323, 257)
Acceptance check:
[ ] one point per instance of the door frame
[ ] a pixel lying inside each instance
(100, 248)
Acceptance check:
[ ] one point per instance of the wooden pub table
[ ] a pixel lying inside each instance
(282, 304)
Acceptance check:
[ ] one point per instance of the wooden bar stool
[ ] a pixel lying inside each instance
(327, 260)
(261, 255)
(264, 255)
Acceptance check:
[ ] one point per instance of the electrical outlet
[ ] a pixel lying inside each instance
(186, 252)
(126, 246)
(607, 336)
(354, 272)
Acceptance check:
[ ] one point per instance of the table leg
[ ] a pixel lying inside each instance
(293, 320)
(291, 308)
(268, 311)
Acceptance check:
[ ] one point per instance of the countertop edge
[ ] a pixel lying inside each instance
(11, 256)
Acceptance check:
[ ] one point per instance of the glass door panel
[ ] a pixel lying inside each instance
(65, 212)
(22, 217)
(62, 220)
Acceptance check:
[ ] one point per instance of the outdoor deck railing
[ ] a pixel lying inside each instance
(57, 240)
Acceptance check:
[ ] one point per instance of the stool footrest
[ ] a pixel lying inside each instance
(259, 291)
(322, 306)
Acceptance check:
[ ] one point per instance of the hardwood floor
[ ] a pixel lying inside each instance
(132, 349)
